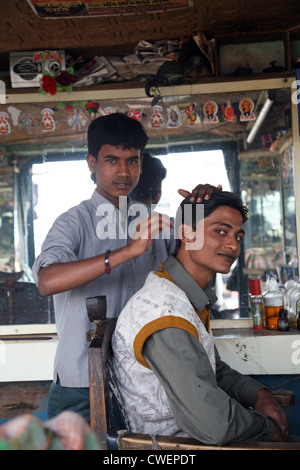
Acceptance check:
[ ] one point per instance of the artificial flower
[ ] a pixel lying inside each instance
(65, 78)
(60, 82)
(49, 84)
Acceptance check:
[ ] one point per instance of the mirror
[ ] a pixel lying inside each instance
(242, 140)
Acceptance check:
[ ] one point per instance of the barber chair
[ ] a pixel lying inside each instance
(107, 413)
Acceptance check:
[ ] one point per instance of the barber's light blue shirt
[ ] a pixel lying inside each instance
(85, 231)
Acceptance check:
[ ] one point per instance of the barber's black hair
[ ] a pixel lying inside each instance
(153, 173)
(217, 199)
(115, 129)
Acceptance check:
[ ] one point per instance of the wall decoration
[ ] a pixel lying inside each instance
(14, 113)
(246, 106)
(210, 109)
(173, 117)
(191, 114)
(77, 119)
(92, 108)
(4, 124)
(228, 112)
(109, 110)
(157, 120)
(28, 121)
(48, 123)
(137, 115)
(52, 84)
(92, 8)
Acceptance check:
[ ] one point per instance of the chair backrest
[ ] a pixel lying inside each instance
(107, 410)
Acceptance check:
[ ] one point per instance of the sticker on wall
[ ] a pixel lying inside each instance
(137, 115)
(246, 106)
(173, 117)
(109, 110)
(191, 115)
(210, 109)
(92, 108)
(28, 121)
(77, 119)
(14, 113)
(228, 112)
(48, 123)
(4, 124)
(157, 120)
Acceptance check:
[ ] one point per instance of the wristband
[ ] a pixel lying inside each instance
(106, 262)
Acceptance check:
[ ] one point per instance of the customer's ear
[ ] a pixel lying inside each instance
(186, 234)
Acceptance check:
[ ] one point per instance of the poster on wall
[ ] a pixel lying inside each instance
(91, 8)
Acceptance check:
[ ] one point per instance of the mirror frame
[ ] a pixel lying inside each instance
(107, 92)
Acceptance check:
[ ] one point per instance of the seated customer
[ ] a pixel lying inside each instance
(170, 375)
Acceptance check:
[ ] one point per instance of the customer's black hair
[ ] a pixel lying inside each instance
(115, 129)
(153, 173)
(187, 212)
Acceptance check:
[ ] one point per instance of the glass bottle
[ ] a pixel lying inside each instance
(256, 304)
(283, 321)
(273, 302)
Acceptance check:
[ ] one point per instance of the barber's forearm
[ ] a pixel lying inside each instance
(61, 277)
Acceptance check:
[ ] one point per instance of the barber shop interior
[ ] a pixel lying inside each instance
(118, 330)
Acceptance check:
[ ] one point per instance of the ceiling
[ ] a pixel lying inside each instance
(21, 29)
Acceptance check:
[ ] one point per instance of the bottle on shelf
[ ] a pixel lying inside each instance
(294, 305)
(256, 303)
(273, 302)
(283, 321)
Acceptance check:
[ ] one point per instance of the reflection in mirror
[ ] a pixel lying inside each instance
(220, 138)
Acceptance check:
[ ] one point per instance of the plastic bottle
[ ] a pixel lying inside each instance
(273, 302)
(256, 303)
(294, 305)
(288, 287)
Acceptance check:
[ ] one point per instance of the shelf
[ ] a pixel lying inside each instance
(118, 90)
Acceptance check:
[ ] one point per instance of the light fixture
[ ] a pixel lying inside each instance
(262, 115)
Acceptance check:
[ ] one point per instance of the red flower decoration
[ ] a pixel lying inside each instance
(65, 78)
(49, 85)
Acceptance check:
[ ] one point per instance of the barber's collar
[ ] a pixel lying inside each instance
(104, 208)
(199, 297)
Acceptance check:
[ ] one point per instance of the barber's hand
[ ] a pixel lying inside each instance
(267, 404)
(200, 192)
(144, 231)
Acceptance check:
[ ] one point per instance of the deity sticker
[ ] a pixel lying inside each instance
(228, 112)
(77, 119)
(246, 106)
(173, 117)
(210, 109)
(109, 110)
(27, 121)
(48, 123)
(192, 115)
(4, 124)
(157, 120)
